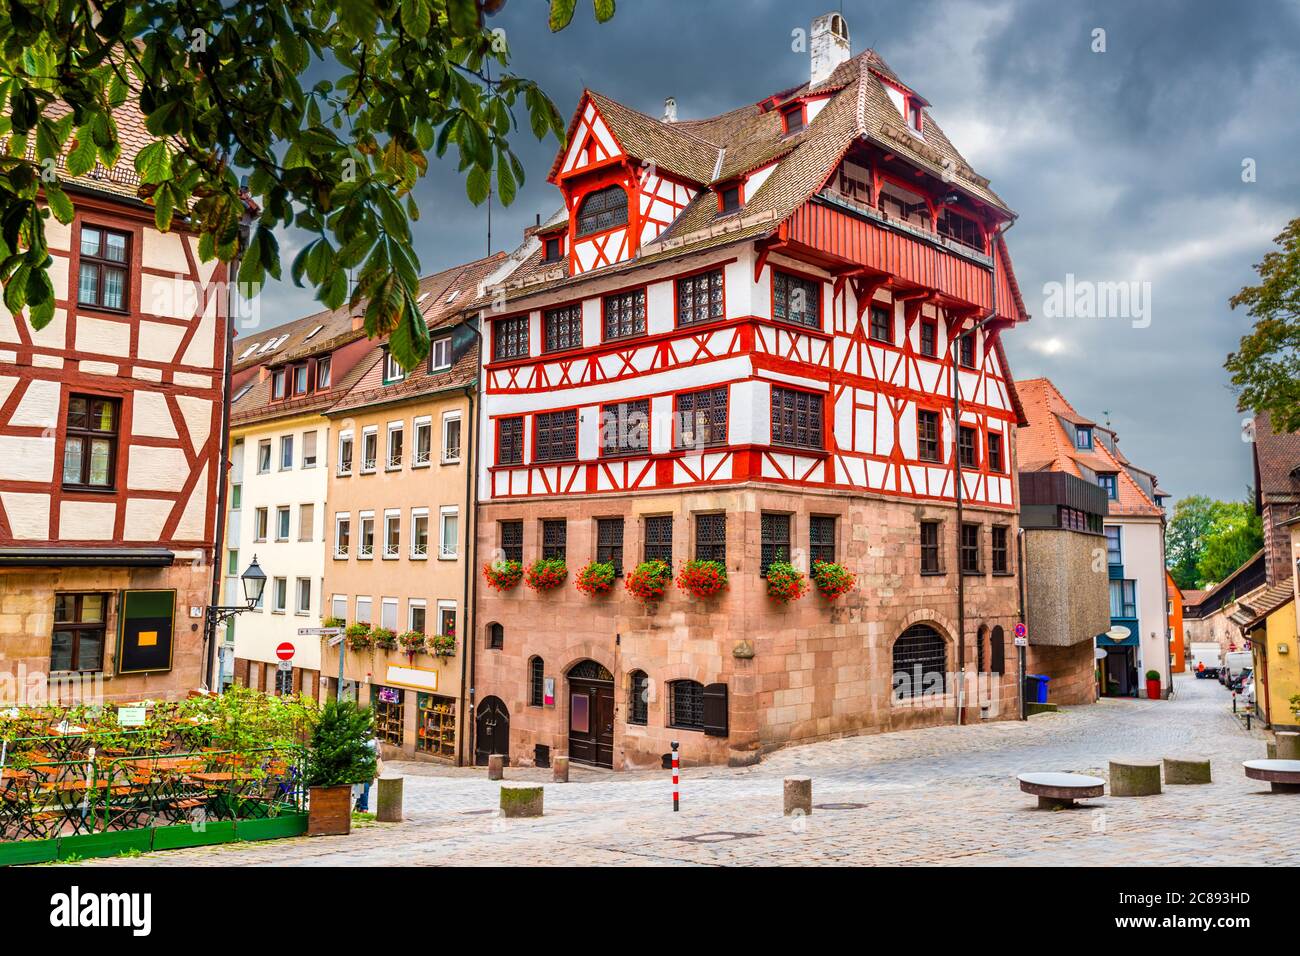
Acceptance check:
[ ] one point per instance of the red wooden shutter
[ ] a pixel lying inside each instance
(715, 710)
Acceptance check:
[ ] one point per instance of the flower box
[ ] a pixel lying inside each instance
(546, 574)
(596, 578)
(703, 578)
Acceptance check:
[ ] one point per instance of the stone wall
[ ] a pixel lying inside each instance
(819, 668)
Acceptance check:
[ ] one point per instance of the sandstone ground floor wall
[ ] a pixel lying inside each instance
(813, 669)
(1072, 670)
(27, 627)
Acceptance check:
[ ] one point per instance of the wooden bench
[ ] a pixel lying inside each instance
(1283, 775)
(1058, 791)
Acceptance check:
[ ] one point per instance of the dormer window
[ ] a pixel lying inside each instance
(323, 372)
(729, 198)
(915, 115)
(393, 372)
(1110, 483)
(1083, 438)
(602, 210)
(300, 379)
(277, 384)
(553, 249)
(792, 118)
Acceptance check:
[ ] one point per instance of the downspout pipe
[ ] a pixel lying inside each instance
(465, 747)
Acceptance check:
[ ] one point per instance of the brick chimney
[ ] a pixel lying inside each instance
(828, 46)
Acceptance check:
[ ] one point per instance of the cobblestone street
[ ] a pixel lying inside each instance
(937, 796)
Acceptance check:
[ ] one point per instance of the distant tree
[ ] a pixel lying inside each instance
(1265, 368)
(220, 85)
(1208, 539)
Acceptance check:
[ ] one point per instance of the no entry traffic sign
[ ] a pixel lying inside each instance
(284, 651)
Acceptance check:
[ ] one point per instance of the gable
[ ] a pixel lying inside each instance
(590, 142)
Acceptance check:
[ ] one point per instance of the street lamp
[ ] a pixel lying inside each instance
(254, 581)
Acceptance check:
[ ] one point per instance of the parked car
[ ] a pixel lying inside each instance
(1233, 664)
(1235, 684)
(1246, 695)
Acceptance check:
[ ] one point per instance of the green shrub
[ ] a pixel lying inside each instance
(340, 746)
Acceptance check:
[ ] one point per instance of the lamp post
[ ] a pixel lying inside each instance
(254, 582)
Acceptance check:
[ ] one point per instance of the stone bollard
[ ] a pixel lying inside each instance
(496, 766)
(1134, 778)
(1270, 749)
(798, 795)
(1186, 770)
(1288, 745)
(560, 769)
(521, 800)
(389, 807)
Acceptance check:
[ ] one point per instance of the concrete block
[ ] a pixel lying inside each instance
(388, 808)
(1134, 778)
(1186, 770)
(560, 769)
(496, 766)
(798, 795)
(521, 800)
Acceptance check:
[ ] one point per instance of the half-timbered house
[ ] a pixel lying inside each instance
(111, 419)
(770, 334)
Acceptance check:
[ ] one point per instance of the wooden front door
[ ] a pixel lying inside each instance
(591, 715)
(491, 731)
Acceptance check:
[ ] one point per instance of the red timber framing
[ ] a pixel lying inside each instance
(58, 361)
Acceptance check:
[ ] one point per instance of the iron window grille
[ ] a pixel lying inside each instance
(536, 681)
(966, 447)
(659, 538)
(796, 418)
(557, 435)
(821, 539)
(699, 298)
(920, 662)
(774, 535)
(510, 441)
(555, 534)
(609, 543)
(602, 210)
(77, 643)
(882, 326)
(625, 428)
(510, 338)
(90, 443)
(711, 538)
(796, 300)
(1000, 554)
(970, 549)
(927, 436)
(638, 704)
(930, 563)
(625, 314)
(512, 540)
(702, 418)
(563, 327)
(103, 269)
(686, 699)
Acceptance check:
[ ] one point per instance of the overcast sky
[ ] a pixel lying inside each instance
(1124, 166)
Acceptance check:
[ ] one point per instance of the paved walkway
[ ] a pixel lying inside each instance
(943, 795)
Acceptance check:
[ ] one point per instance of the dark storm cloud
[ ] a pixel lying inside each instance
(1124, 166)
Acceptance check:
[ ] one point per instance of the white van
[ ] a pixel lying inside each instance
(1234, 662)
(1207, 654)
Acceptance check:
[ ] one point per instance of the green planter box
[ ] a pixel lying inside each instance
(272, 828)
(113, 843)
(28, 851)
(183, 835)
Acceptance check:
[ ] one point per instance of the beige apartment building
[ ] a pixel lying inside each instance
(398, 505)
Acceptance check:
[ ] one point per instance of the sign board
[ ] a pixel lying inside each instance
(1021, 630)
(320, 631)
(284, 666)
(1022, 642)
(1118, 633)
(417, 678)
(131, 716)
(285, 651)
(548, 694)
(336, 640)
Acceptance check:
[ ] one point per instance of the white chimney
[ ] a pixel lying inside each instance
(670, 110)
(829, 46)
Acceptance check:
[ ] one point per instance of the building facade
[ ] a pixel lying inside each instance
(111, 419)
(285, 378)
(400, 500)
(738, 342)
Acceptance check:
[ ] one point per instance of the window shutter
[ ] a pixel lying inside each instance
(715, 710)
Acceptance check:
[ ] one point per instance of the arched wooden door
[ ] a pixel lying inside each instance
(591, 714)
(491, 731)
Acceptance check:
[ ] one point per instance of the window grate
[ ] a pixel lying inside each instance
(638, 704)
(699, 298)
(711, 538)
(796, 418)
(563, 327)
(687, 700)
(609, 542)
(702, 418)
(536, 681)
(555, 533)
(796, 300)
(659, 538)
(510, 338)
(625, 428)
(601, 210)
(512, 540)
(821, 539)
(510, 441)
(625, 314)
(557, 435)
(774, 535)
(920, 662)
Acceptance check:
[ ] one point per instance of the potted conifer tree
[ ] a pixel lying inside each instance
(341, 754)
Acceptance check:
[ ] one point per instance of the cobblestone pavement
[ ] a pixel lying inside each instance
(942, 795)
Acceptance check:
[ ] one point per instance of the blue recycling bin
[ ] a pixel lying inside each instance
(1036, 688)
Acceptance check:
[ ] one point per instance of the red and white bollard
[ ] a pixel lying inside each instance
(676, 766)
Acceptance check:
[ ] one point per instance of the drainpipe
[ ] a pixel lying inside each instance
(470, 590)
(1020, 588)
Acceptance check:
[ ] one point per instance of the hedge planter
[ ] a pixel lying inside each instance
(330, 811)
(358, 636)
(596, 578)
(649, 581)
(413, 642)
(785, 582)
(703, 578)
(832, 580)
(503, 575)
(546, 574)
(383, 639)
(1153, 685)
(442, 645)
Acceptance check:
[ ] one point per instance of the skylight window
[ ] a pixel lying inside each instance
(452, 298)
(313, 332)
(247, 352)
(422, 296)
